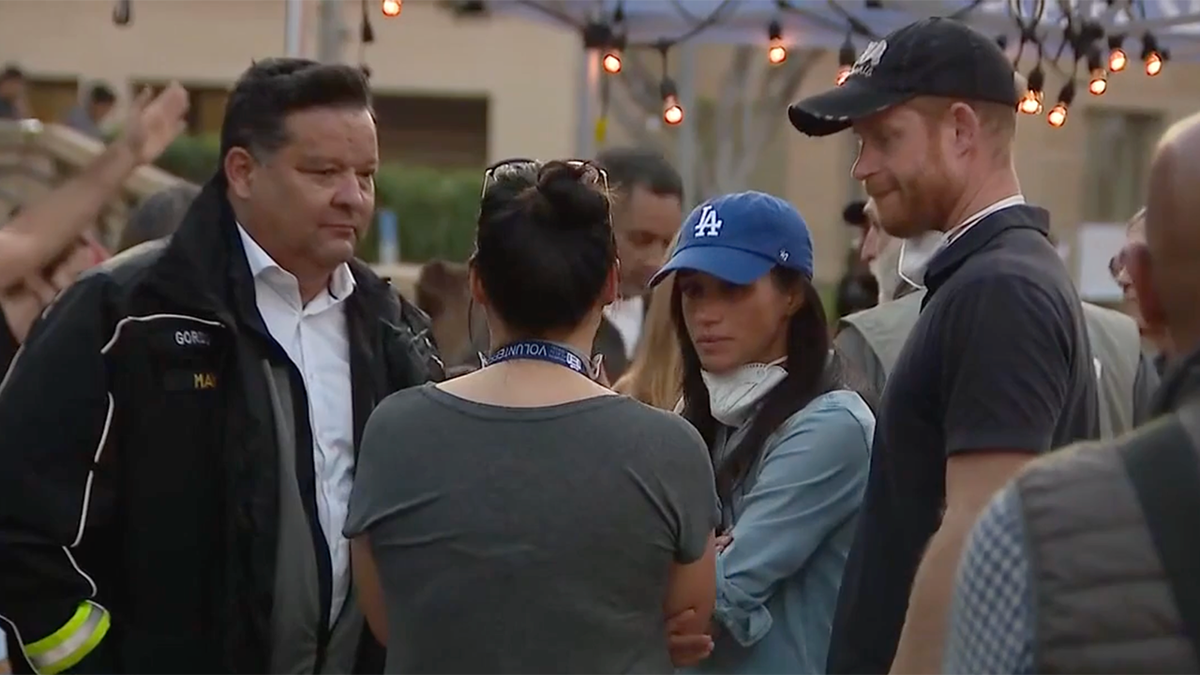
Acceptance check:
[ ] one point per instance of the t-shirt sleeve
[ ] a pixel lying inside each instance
(685, 475)
(375, 469)
(1007, 353)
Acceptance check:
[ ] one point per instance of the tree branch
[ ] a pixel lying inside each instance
(632, 118)
(767, 112)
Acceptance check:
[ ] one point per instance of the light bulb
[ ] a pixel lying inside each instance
(392, 7)
(1099, 83)
(1058, 115)
(612, 63)
(1031, 103)
(776, 53)
(842, 74)
(1154, 64)
(672, 111)
(1117, 60)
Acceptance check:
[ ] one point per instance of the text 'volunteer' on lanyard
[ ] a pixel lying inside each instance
(540, 350)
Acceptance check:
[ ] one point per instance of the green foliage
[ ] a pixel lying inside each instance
(435, 208)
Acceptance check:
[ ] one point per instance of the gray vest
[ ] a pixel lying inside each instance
(1103, 604)
(1116, 353)
(296, 611)
(886, 327)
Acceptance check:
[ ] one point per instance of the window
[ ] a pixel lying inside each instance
(51, 98)
(432, 131)
(1119, 145)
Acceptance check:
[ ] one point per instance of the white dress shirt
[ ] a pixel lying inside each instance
(316, 339)
(627, 316)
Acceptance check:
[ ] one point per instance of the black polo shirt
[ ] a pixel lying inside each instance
(998, 360)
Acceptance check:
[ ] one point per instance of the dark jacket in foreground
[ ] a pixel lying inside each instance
(139, 456)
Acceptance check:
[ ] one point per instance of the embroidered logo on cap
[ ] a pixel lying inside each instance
(709, 224)
(865, 65)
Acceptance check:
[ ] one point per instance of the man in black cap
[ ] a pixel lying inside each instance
(997, 368)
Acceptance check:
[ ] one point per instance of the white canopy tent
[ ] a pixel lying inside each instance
(827, 24)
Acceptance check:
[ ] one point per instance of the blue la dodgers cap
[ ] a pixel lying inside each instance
(740, 237)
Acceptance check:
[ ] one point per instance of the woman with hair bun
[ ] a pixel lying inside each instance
(523, 517)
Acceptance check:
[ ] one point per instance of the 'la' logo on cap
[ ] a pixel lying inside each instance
(709, 224)
(865, 65)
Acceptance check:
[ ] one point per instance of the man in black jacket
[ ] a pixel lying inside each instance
(178, 438)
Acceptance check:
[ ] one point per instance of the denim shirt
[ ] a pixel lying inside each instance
(793, 520)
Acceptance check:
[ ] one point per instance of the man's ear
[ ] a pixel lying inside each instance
(239, 166)
(612, 285)
(476, 286)
(1141, 272)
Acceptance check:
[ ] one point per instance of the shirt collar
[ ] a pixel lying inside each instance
(341, 283)
(971, 220)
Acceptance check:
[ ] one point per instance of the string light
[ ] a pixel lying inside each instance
(1098, 84)
(845, 61)
(1058, 114)
(1031, 102)
(776, 51)
(1151, 57)
(391, 8)
(612, 62)
(1117, 58)
(672, 111)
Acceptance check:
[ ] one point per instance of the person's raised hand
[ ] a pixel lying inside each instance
(153, 122)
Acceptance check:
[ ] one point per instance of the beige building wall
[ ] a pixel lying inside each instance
(528, 72)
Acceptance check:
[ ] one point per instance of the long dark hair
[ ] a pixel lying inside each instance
(811, 369)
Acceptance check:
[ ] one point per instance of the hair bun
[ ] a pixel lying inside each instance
(572, 194)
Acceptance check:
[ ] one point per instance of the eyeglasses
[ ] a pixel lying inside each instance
(1118, 265)
(592, 173)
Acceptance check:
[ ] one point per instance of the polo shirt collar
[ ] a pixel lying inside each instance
(971, 239)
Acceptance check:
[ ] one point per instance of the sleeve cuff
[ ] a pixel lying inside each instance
(745, 619)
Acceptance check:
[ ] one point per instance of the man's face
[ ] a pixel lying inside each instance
(902, 164)
(1130, 263)
(316, 194)
(11, 87)
(645, 224)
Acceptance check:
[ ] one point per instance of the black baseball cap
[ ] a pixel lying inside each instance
(937, 56)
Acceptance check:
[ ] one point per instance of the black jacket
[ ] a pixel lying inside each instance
(138, 459)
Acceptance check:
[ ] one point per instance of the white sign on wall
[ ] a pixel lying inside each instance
(1097, 244)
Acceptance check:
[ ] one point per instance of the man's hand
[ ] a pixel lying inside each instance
(723, 542)
(154, 122)
(687, 648)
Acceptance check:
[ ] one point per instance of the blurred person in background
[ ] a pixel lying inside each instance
(655, 377)
(254, 346)
(14, 104)
(1087, 561)
(997, 369)
(1155, 336)
(47, 226)
(871, 340)
(474, 554)
(88, 115)
(157, 216)
(647, 210)
(459, 325)
(788, 438)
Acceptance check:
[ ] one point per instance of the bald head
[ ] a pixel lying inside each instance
(1173, 230)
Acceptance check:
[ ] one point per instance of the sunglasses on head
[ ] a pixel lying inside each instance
(592, 173)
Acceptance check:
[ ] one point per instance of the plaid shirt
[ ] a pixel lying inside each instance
(992, 616)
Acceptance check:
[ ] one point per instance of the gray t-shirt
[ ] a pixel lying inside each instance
(530, 540)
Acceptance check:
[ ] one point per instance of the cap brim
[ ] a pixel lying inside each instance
(836, 109)
(728, 264)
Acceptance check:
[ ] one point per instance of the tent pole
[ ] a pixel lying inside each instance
(589, 97)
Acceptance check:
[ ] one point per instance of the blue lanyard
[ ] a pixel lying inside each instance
(540, 350)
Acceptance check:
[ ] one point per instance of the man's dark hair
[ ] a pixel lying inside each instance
(101, 94)
(11, 72)
(634, 167)
(272, 89)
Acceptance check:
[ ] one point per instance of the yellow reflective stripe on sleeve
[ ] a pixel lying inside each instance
(68, 645)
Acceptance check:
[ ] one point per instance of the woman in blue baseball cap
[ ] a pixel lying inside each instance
(789, 439)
